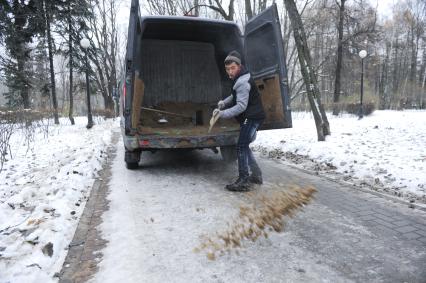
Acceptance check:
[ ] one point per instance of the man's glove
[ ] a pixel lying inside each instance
(221, 104)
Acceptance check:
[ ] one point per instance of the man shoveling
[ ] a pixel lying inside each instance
(246, 106)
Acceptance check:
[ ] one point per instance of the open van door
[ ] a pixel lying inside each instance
(133, 42)
(265, 59)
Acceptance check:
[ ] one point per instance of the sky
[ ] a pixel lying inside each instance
(384, 8)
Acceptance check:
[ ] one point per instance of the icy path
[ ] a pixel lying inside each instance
(158, 214)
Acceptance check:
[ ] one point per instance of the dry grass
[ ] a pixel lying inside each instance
(266, 214)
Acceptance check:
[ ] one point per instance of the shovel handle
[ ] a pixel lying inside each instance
(166, 112)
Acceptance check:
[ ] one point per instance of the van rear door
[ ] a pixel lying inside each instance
(265, 59)
(133, 42)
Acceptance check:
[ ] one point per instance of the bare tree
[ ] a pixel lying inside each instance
(48, 21)
(383, 81)
(339, 57)
(71, 63)
(187, 7)
(405, 35)
(422, 77)
(252, 9)
(308, 73)
(163, 7)
(102, 33)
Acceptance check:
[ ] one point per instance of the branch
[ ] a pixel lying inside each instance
(214, 8)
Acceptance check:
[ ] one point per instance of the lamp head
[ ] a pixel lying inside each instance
(85, 43)
(362, 54)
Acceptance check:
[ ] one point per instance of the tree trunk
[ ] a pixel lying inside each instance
(423, 66)
(71, 66)
(52, 70)
(422, 78)
(383, 95)
(108, 102)
(249, 12)
(20, 78)
(24, 91)
(417, 95)
(336, 95)
(197, 8)
(231, 11)
(403, 101)
(395, 80)
(308, 74)
(413, 67)
(422, 96)
(113, 56)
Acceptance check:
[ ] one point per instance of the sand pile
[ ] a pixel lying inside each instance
(267, 213)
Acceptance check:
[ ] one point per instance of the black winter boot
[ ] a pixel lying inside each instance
(242, 184)
(256, 179)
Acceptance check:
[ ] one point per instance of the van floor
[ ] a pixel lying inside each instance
(194, 120)
(186, 130)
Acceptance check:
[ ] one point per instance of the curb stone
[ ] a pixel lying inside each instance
(84, 250)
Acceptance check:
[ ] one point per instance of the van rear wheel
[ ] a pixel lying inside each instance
(132, 159)
(229, 153)
(132, 165)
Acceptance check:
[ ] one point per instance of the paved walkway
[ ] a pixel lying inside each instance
(393, 249)
(378, 213)
(345, 235)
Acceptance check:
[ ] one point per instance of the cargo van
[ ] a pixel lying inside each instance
(175, 75)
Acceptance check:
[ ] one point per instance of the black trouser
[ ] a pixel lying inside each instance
(248, 129)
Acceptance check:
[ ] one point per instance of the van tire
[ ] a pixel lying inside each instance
(132, 159)
(132, 165)
(229, 153)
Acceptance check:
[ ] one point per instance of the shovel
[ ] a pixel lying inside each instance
(213, 121)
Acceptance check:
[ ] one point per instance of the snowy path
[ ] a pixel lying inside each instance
(158, 214)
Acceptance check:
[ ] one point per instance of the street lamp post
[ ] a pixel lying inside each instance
(362, 54)
(85, 43)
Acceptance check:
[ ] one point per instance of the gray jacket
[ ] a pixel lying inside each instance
(242, 88)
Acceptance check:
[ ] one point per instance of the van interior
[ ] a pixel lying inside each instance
(180, 76)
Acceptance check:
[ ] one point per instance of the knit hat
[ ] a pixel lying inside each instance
(233, 56)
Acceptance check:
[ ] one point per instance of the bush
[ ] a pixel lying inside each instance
(105, 113)
(25, 120)
(353, 108)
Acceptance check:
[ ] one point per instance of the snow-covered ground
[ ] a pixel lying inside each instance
(43, 191)
(385, 151)
(42, 195)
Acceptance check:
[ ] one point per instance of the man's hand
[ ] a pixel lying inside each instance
(221, 104)
(216, 112)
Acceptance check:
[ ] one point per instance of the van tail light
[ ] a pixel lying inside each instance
(144, 142)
